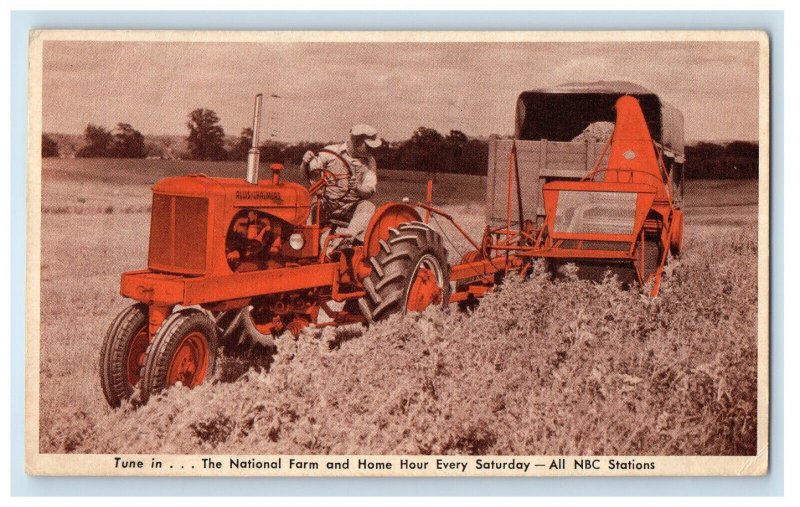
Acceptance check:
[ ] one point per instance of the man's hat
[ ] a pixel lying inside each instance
(367, 132)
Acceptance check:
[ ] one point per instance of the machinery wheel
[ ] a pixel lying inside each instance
(183, 350)
(122, 354)
(652, 257)
(676, 233)
(409, 273)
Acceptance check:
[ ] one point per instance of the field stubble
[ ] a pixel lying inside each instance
(541, 367)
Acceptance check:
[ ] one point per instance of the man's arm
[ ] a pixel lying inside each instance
(314, 163)
(366, 180)
(308, 159)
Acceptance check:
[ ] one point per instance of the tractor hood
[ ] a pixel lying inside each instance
(285, 200)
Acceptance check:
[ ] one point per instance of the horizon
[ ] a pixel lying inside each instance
(687, 142)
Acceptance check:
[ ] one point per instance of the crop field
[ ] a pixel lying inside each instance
(559, 367)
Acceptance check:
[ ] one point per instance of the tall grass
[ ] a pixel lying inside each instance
(541, 367)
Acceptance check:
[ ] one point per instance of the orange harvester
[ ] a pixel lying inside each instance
(241, 260)
(624, 214)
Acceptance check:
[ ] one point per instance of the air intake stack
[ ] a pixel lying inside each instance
(254, 154)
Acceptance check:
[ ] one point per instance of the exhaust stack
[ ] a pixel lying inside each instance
(254, 154)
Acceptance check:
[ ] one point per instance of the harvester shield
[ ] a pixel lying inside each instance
(596, 210)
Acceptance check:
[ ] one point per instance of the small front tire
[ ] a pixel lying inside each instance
(183, 350)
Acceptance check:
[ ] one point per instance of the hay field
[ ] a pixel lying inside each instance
(542, 367)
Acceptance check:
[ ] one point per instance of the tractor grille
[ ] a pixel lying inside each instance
(178, 230)
(595, 212)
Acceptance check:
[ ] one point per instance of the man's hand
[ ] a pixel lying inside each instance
(308, 156)
(364, 183)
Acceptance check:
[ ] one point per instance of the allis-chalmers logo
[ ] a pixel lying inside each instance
(261, 195)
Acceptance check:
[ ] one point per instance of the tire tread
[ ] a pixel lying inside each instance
(385, 288)
(114, 353)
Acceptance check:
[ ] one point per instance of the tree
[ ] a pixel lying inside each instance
(49, 146)
(476, 157)
(454, 156)
(738, 159)
(742, 149)
(423, 152)
(97, 141)
(126, 142)
(457, 138)
(274, 151)
(206, 138)
(425, 136)
(155, 149)
(239, 150)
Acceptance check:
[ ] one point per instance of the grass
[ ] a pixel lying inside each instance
(541, 367)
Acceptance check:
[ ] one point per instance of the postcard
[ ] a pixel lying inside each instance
(398, 253)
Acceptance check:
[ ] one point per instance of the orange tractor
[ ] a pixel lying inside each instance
(243, 259)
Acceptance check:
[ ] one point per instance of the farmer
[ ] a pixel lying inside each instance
(344, 202)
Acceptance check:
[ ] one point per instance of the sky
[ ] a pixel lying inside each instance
(325, 88)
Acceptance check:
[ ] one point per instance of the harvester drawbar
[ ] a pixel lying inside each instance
(233, 260)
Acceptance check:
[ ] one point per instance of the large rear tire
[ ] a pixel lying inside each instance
(122, 354)
(409, 273)
(183, 350)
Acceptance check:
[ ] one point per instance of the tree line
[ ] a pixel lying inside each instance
(426, 150)
(123, 141)
(206, 140)
(735, 160)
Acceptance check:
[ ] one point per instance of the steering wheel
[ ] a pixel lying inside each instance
(328, 177)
